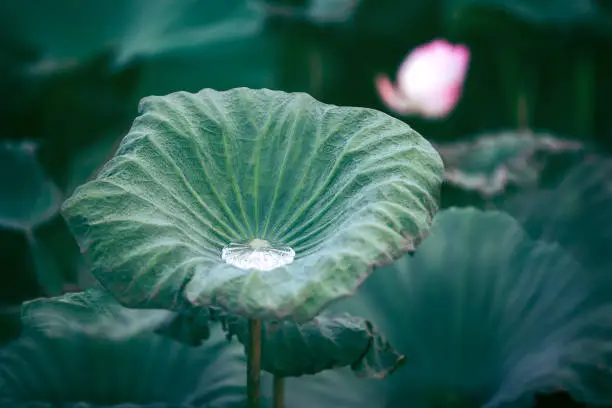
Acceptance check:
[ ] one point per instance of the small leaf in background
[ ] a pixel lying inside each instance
(27, 196)
(28, 200)
(318, 12)
(75, 30)
(290, 349)
(490, 163)
(429, 81)
(543, 12)
(84, 349)
(488, 317)
(93, 312)
(345, 188)
(219, 44)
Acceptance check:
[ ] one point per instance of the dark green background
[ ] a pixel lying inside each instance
(72, 73)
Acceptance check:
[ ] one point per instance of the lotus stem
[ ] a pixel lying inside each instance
(522, 110)
(517, 82)
(584, 95)
(279, 392)
(254, 363)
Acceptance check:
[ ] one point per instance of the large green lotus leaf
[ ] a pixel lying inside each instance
(488, 318)
(85, 350)
(289, 349)
(491, 162)
(28, 197)
(255, 178)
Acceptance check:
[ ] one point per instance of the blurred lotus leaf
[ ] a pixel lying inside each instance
(319, 12)
(85, 350)
(85, 162)
(488, 317)
(574, 212)
(73, 30)
(93, 312)
(264, 203)
(28, 197)
(30, 201)
(187, 45)
(491, 162)
(544, 12)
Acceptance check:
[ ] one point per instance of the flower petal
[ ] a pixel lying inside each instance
(431, 77)
(392, 96)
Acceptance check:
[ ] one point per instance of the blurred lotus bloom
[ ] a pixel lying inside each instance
(429, 81)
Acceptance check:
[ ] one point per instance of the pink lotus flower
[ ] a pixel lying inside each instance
(429, 81)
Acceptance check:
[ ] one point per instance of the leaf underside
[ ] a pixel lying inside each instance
(291, 349)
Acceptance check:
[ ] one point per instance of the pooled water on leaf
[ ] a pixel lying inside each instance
(257, 254)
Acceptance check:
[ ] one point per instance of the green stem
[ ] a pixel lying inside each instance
(584, 96)
(279, 392)
(517, 86)
(254, 364)
(522, 110)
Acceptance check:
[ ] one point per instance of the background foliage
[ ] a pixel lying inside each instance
(72, 73)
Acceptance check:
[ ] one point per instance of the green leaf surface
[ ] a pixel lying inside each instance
(85, 350)
(491, 162)
(345, 189)
(488, 318)
(28, 197)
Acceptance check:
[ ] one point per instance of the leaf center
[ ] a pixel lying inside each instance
(257, 254)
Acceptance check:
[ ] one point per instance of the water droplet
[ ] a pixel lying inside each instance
(257, 254)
